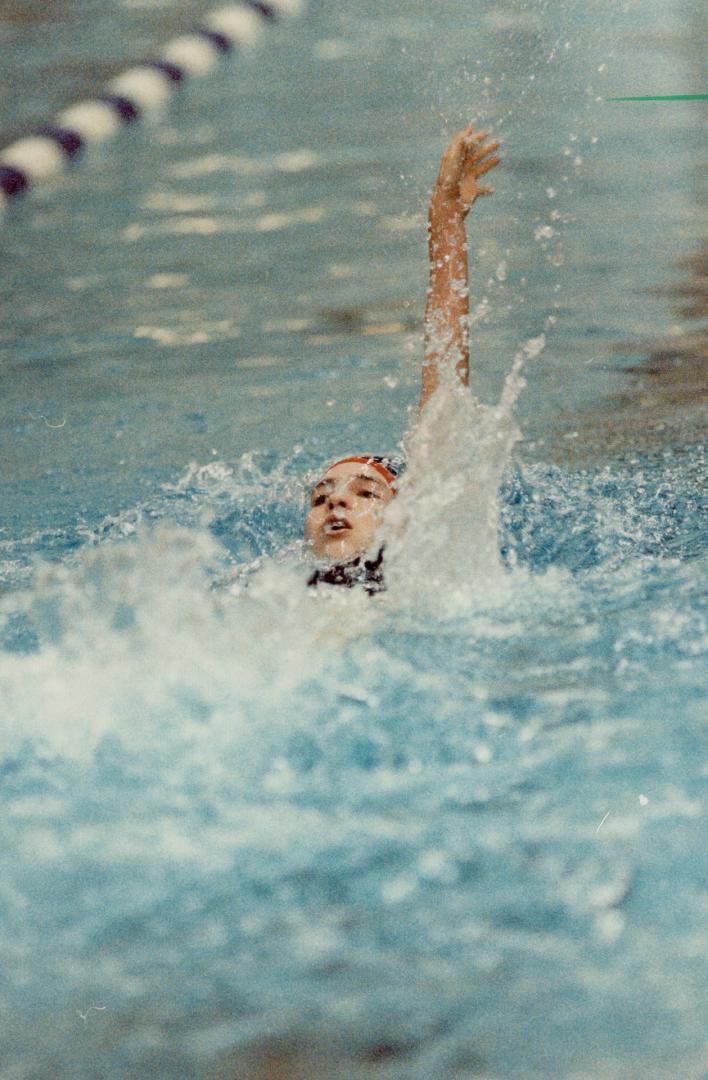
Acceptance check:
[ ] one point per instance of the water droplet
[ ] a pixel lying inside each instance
(544, 232)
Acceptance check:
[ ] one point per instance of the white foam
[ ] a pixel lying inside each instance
(143, 86)
(93, 121)
(441, 532)
(240, 24)
(133, 627)
(37, 156)
(195, 55)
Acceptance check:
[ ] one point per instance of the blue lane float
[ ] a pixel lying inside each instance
(137, 91)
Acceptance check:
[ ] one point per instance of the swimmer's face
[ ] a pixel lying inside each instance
(346, 509)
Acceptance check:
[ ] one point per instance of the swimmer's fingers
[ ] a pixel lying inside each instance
(460, 146)
(485, 166)
(473, 138)
(475, 152)
(455, 154)
(470, 189)
(466, 158)
(481, 157)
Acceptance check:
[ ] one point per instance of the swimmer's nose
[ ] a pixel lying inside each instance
(337, 499)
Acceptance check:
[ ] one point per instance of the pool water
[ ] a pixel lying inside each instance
(455, 830)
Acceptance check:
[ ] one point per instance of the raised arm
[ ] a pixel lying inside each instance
(466, 159)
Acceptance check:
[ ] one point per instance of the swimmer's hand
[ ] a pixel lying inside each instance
(466, 159)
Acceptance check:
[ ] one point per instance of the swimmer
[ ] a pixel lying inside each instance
(348, 503)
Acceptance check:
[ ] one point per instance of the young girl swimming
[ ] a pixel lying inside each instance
(348, 503)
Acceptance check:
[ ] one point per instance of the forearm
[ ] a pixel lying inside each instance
(466, 159)
(447, 307)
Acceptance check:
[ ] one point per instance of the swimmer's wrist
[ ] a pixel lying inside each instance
(445, 206)
(442, 195)
(445, 221)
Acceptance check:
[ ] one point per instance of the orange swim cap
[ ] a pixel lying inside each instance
(382, 465)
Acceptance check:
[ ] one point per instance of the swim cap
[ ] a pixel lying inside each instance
(384, 466)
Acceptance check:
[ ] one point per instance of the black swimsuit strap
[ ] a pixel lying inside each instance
(368, 574)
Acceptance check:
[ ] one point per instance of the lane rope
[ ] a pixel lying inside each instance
(141, 89)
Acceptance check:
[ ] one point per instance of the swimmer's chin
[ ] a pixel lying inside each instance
(333, 549)
(337, 549)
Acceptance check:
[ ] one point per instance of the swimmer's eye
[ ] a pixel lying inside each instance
(365, 493)
(317, 500)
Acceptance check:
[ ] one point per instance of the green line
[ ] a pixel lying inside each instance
(666, 97)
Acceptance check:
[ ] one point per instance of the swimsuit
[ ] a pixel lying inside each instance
(368, 574)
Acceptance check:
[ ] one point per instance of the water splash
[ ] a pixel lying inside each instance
(442, 533)
(385, 813)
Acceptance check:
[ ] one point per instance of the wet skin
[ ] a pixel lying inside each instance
(346, 509)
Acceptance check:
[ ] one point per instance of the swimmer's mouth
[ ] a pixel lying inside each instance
(335, 525)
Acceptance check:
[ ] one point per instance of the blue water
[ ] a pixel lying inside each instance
(453, 831)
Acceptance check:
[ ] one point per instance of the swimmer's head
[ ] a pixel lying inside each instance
(347, 506)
